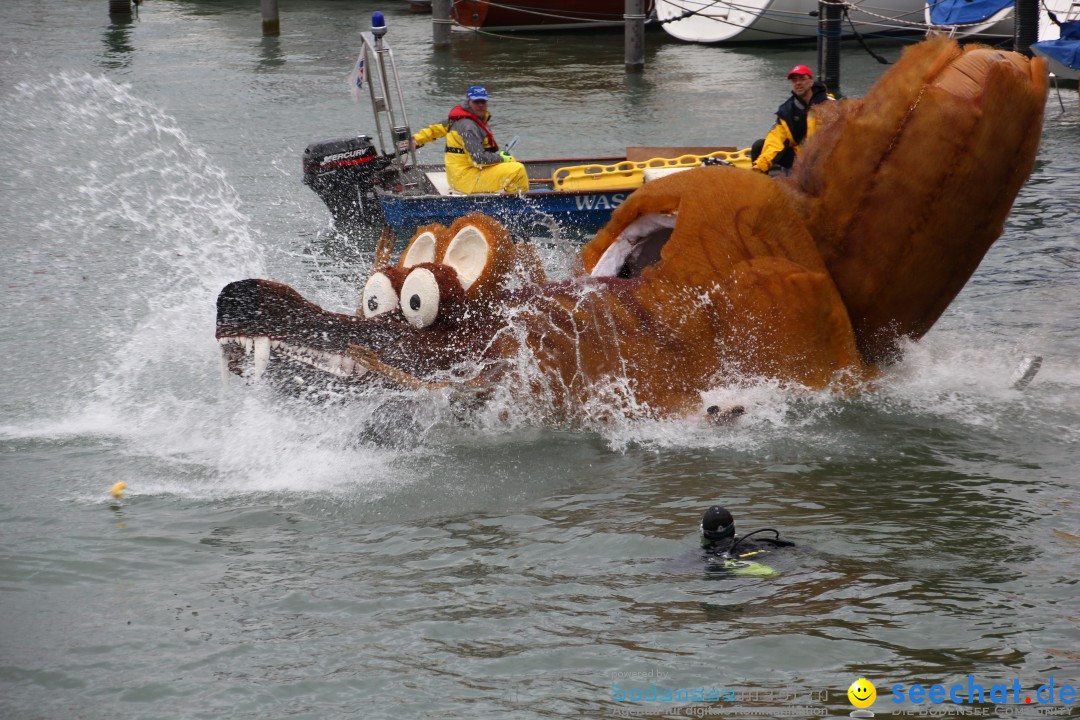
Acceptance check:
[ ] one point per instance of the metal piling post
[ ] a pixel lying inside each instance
(830, 15)
(271, 24)
(634, 17)
(1025, 25)
(440, 22)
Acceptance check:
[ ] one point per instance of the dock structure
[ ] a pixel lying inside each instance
(1025, 26)
(830, 28)
(271, 25)
(441, 24)
(634, 17)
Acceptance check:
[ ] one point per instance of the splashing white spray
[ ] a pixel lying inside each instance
(135, 231)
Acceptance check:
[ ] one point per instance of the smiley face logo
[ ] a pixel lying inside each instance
(862, 693)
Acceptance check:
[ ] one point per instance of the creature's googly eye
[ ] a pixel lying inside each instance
(420, 298)
(379, 296)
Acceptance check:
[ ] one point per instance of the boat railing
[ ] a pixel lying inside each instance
(392, 129)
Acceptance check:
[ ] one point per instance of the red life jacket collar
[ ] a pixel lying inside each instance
(460, 113)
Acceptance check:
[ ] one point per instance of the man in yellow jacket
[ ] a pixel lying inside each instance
(794, 123)
(473, 161)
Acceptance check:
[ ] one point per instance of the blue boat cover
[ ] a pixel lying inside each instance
(1065, 50)
(962, 12)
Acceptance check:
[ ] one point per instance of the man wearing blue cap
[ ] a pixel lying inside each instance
(473, 161)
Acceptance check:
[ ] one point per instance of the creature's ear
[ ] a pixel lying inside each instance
(468, 253)
(425, 247)
(481, 251)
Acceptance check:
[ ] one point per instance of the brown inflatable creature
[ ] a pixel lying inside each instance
(711, 274)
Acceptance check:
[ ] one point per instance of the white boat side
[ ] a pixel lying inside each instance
(999, 26)
(737, 21)
(1058, 68)
(1062, 54)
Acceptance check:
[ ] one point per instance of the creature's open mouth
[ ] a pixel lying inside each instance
(638, 246)
(250, 356)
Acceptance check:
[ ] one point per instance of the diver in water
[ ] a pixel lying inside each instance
(728, 551)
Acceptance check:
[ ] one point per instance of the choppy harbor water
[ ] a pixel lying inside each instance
(279, 559)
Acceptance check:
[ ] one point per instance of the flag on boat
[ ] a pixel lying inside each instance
(356, 79)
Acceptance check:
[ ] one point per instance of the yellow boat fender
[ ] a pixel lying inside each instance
(630, 174)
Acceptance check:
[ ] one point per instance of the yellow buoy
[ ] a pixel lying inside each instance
(118, 490)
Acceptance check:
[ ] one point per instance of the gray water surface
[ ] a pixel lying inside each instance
(278, 559)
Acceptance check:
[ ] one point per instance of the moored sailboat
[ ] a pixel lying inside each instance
(1062, 54)
(757, 21)
(991, 21)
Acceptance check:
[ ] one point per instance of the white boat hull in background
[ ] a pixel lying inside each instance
(756, 21)
(999, 26)
(1062, 71)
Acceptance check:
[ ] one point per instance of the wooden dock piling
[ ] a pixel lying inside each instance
(1026, 25)
(634, 17)
(271, 24)
(830, 15)
(441, 23)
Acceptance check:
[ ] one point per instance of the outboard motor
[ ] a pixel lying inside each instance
(343, 172)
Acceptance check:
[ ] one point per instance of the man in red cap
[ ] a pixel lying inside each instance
(793, 122)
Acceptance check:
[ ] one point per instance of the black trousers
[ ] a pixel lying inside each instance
(783, 159)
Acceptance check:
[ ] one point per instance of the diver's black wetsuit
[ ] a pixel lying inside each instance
(745, 545)
(719, 541)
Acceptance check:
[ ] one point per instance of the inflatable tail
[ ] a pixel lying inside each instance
(905, 190)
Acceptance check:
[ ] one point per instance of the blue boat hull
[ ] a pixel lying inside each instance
(548, 213)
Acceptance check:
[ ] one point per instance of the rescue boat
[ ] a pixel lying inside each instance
(376, 180)
(364, 188)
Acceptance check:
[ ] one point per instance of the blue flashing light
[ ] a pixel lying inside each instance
(378, 23)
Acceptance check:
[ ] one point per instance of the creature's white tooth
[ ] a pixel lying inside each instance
(348, 365)
(249, 344)
(275, 344)
(223, 341)
(262, 356)
(224, 360)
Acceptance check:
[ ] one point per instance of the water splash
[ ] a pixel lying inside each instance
(132, 230)
(135, 230)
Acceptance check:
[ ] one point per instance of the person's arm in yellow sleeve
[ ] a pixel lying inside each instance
(774, 145)
(431, 132)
